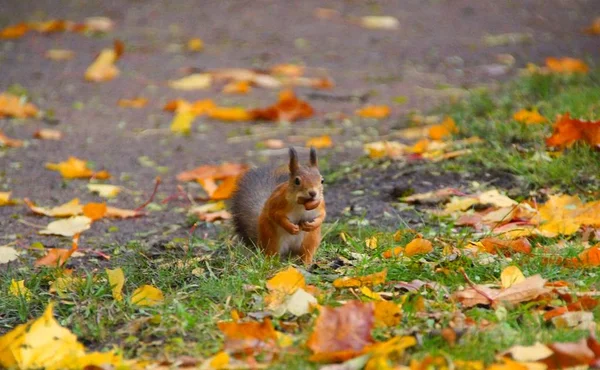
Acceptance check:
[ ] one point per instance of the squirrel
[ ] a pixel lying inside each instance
(279, 210)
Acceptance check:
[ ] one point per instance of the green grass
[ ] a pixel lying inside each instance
(204, 280)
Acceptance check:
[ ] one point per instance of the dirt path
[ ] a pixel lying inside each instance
(438, 44)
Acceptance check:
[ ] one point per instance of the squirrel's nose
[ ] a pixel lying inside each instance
(312, 193)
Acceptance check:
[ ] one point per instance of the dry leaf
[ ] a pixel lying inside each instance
(387, 314)
(374, 111)
(116, 279)
(133, 103)
(444, 129)
(94, 211)
(75, 168)
(197, 81)
(529, 117)
(67, 227)
(71, 208)
(359, 281)
(7, 254)
(506, 247)
(15, 106)
(319, 142)
(15, 31)
(8, 142)
(288, 109)
(511, 276)
(48, 134)
(230, 114)
(104, 190)
(567, 65)
(18, 289)
(342, 333)
(567, 131)
(182, 122)
(114, 212)
(5, 199)
(383, 149)
(60, 54)
(594, 28)
(432, 197)
(57, 257)
(104, 68)
(418, 246)
(195, 44)
(289, 70)
(147, 295)
(215, 172)
(237, 87)
(380, 22)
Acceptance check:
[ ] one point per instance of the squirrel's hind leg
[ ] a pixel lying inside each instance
(309, 246)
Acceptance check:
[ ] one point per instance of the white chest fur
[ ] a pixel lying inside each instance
(292, 243)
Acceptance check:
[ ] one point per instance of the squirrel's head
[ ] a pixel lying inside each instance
(306, 182)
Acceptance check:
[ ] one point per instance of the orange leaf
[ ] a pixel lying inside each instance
(248, 337)
(103, 68)
(588, 258)
(288, 109)
(133, 103)
(13, 106)
(446, 128)
(529, 117)
(58, 257)
(394, 252)
(289, 70)
(48, 134)
(568, 130)
(8, 142)
(374, 111)
(216, 172)
(14, 32)
(342, 333)
(418, 246)
(567, 65)
(359, 281)
(225, 188)
(95, 211)
(72, 168)
(594, 28)
(230, 114)
(319, 142)
(507, 247)
(237, 87)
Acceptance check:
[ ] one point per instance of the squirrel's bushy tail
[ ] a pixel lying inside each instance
(253, 190)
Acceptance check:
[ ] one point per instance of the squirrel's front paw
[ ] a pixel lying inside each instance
(308, 226)
(294, 229)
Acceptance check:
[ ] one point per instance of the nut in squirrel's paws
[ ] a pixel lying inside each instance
(311, 204)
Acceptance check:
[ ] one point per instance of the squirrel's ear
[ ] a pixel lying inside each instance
(294, 167)
(313, 157)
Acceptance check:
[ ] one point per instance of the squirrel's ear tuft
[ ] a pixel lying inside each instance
(294, 167)
(313, 157)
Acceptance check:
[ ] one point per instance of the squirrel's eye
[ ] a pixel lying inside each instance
(297, 181)
(322, 180)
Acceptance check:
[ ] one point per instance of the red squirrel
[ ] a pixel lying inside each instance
(281, 211)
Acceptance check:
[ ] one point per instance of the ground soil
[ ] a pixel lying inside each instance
(438, 44)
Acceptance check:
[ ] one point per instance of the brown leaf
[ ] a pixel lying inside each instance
(570, 354)
(58, 257)
(342, 333)
(506, 247)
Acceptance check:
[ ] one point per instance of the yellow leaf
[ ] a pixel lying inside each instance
(104, 190)
(147, 295)
(71, 208)
(371, 294)
(67, 227)
(18, 289)
(287, 281)
(103, 68)
(381, 149)
(387, 313)
(219, 361)
(65, 284)
(48, 134)
(229, 114)
(133, 103)
(5, 198)
(237, 87)
(116, 279)
(418, 246)
(359, 281)
(60, 54)
(195, 44)
(446, 128)
(196, 81)
(75, 168)
(510, 276)
(182, 123)
(374, 111)
(529, 117)
(383, 22)
(371, 242)
(319, 142)
(558, 216)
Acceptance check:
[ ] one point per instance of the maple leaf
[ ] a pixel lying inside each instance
(68, 227)
(57, 257)
(104, 68)
(567, 131)
(506, 247)
(374, 111)
(359, 281)
(524, 291)
(14, 106)
(342, 333)
(529, 117)
(567, 65)
(288, 109)
(248, 337)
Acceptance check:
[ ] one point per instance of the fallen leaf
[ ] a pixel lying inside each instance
(289, 70)
(588, 258)
(371, 242)
(558, 216)
(60, 54)
(359, 281)
(114, 212)
(43, 343)
(216, 172)
(18, 289)
(98, 24)
(195, 44)
(67, 227)
(533, 353)
(418, 246)
(133, 103)
(211, 212)
(48, 134)
(288, 109)
(383, 149)
(104, 68)
(287, 281)
(237, 87)
(385, 355)
(342, 333)
(432, 197)
(182, 123)
(567, 131)
(5, 199)
(571, 354)
(374, 111)
(14, 106)
(57, 257)
(105, 190)
(379, 22)
(594, 28)
(274, 144)
(529, 117)
(525, 291)
(298, 303)
(575, 320)
(248, 337)
(71, 208)
(15, 31)
(94, 211)
(147, 295)
(444, 129)
(7, 254)
(196, 81)
(8, 142)
(511, 276)
(232, 114)
(75, 168)
(319, 142)
(566, 65)
(387, 314)
(506, 247)
(116, 279)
